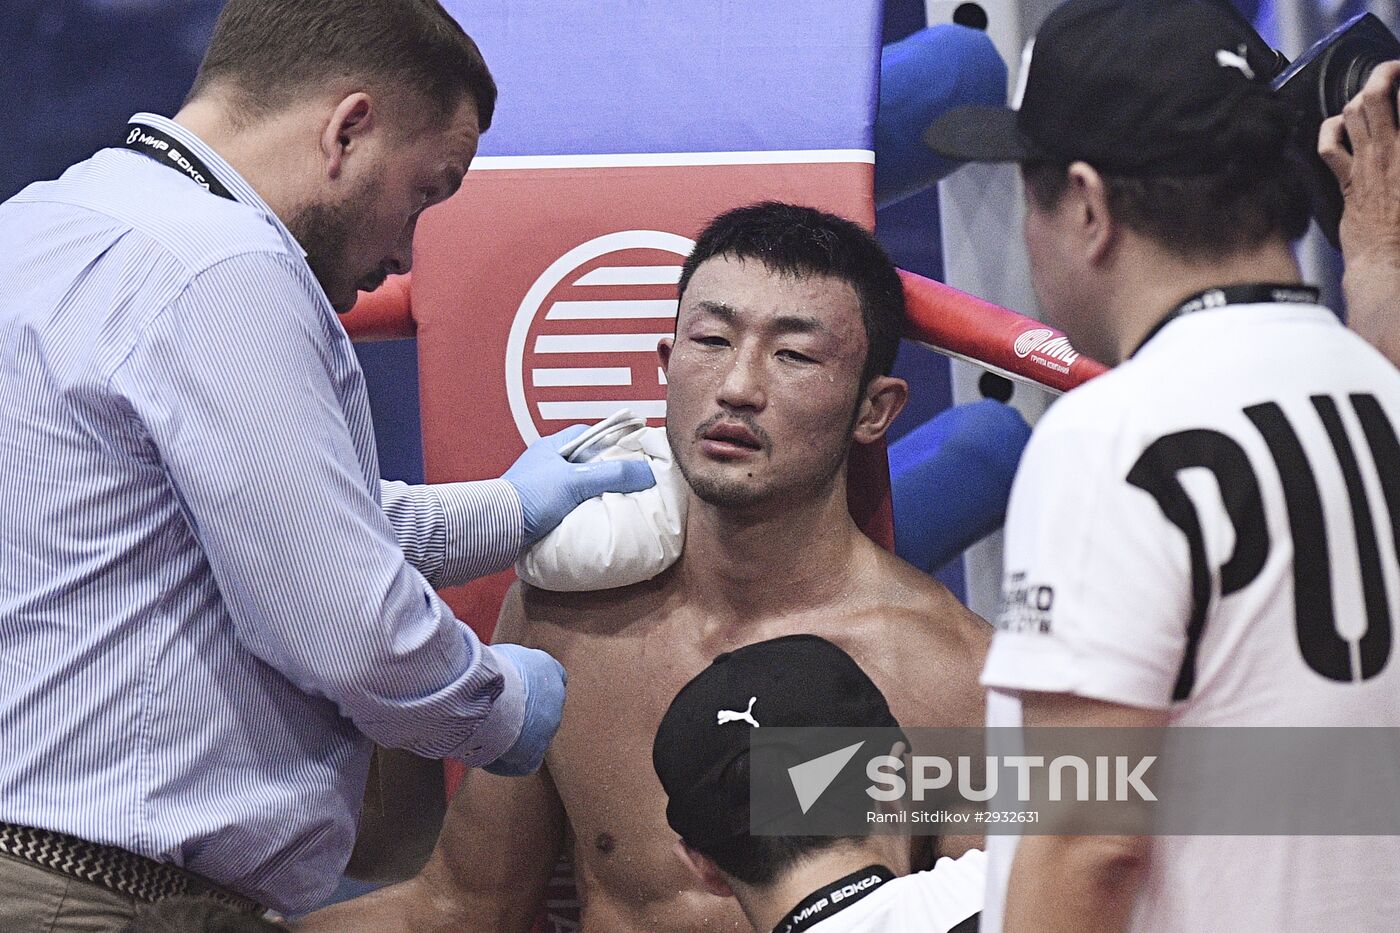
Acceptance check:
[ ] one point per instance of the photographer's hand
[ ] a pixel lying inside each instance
(1369, 172)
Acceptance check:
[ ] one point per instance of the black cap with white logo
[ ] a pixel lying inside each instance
(1133, 87)
(701, 752)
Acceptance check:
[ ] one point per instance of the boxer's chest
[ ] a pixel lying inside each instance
(620, 685)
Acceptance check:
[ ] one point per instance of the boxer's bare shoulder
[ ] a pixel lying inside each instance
(928, 646)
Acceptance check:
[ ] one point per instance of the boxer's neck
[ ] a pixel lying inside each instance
(779, 558)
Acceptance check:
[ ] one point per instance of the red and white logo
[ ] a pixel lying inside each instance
(583, 342)
(1047, 348)
(1032, 339)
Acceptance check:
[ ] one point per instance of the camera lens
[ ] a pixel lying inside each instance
(1348, 79)
(1349, 61)
(1318, 85)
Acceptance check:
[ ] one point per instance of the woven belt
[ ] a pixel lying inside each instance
(117, 870)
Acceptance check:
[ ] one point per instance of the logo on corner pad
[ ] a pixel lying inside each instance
(583, 342)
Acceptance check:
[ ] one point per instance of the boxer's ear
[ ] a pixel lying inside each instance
(663, 350)
(704, 869)
(881, 402)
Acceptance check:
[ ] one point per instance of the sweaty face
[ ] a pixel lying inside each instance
(762, 382)
(363, 232)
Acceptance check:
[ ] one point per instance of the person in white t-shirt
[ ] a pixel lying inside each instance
(1206, 535)
(795, 884)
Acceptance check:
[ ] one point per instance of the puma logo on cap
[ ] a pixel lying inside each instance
(728, 715)
(1227, 59)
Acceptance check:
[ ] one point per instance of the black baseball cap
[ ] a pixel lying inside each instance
(1133, 87)
(794, 681)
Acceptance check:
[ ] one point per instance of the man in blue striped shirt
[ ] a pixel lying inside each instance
(210, 604)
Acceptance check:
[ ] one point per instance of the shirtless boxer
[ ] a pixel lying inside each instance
(770, 377)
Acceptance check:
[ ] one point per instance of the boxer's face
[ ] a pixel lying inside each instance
(762, 381)
(361, 229)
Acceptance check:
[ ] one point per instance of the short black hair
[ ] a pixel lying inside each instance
(797, 240)
(271, 51)
(196, 915)
(1257, 193)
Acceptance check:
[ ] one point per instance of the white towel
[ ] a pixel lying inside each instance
(615, 539)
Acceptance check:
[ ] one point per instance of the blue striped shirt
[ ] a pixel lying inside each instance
(209, 602)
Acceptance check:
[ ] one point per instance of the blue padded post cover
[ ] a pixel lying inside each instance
(921, 78)
(951, 480)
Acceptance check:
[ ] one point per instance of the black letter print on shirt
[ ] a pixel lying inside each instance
(1158, 472)
(1322, 648)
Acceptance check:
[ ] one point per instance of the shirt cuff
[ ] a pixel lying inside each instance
(1025, 662)
(484, 528)
(1015, 662)
(500, 730)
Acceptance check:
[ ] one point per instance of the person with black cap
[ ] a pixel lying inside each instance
(1203, 536)
(794, 884)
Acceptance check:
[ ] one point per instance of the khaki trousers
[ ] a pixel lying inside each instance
(35, 900)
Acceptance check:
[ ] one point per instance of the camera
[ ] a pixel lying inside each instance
(1318, 85)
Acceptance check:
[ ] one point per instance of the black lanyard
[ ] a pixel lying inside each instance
(1251, 294)
(834, 897)
(170, 152)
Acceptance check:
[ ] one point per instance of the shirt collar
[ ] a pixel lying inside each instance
(234, 182)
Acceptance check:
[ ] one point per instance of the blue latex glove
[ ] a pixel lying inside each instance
(544, 680)
(551, 487)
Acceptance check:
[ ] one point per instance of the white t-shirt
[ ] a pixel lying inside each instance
(933, 901)
(1112, 519)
